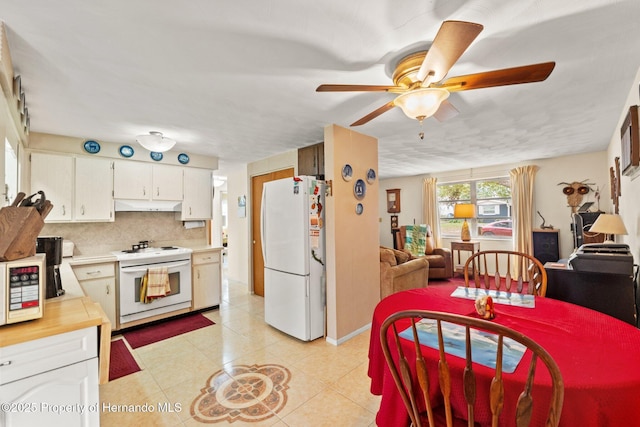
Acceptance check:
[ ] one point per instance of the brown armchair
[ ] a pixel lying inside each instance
(440, 259)
(399, 273)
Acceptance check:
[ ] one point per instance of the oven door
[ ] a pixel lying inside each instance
(130, 281)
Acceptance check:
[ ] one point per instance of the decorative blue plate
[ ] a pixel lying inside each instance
(359, 189)
(371, 176)
(156, 156)
(126, 151)
(347, 172)
(183, 158)
(359, 209)
(91, 146)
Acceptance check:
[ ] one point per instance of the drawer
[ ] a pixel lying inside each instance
(34, 357)
(94, 271)
(205, 257)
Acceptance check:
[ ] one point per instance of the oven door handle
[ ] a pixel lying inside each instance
(145, 268)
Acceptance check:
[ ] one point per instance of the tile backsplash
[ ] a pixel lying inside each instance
(99, 238)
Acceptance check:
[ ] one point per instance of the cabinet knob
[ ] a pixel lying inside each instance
(64, 211)
(144, 191)
(157, 191)
(108, 289)
(6, 363)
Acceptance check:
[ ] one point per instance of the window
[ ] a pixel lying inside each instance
(492, 198)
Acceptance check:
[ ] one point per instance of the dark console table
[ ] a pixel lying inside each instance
(612, 294)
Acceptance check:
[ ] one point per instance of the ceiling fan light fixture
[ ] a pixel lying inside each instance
(421, 103)
(155, 141)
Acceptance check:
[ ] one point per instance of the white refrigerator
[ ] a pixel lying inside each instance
(293, 241)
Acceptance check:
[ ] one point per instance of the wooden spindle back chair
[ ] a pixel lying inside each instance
(508, 270)
(413, 379)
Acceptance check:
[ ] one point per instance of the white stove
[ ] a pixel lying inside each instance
(134, 265)
(152, 255)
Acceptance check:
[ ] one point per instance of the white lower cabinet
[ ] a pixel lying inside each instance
(206, 277)
(99, 283)
(51, 381)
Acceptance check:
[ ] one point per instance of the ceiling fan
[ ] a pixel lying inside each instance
(419, 77)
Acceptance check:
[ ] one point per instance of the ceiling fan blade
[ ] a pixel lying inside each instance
(453, 38)
(508, 76)
(372, 115)
(359, 88)
(446, 111)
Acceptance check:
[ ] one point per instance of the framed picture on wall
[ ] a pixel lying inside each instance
(393, 200)
(630, 140)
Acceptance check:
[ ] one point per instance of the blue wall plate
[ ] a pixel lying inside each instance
(126, 151)
(91, 146)
(156, 156)
(183, 158)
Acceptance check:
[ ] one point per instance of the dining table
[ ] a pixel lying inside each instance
(598, 356)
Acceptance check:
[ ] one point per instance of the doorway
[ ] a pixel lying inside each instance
(256, 207)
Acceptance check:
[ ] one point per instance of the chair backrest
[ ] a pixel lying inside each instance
(413, 379)
(506, 270)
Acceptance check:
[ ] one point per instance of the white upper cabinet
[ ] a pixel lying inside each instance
(132, 180)
(94, 189)
(144, 181)
(80, 188)
(167, 182)
(54, 175)
(198, 194)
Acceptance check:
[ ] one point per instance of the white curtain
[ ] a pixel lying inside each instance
(522, 180)
(430, 208)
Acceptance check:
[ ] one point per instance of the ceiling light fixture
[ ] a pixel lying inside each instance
(156, 142)
(421, 103)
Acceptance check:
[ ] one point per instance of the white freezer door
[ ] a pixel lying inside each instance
(286, 303)
(285, 231)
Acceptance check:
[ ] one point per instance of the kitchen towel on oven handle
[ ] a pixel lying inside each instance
(155, 284)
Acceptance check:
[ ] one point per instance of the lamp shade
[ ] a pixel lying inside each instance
(421, 103)
(608, 224)
(464, 210)
(155, 141)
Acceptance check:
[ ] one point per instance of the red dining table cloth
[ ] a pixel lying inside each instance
(598, 356)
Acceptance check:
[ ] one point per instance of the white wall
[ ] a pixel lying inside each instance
(548, 196)
(630, 188)
(238, 244)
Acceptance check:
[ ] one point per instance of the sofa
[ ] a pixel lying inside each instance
(398, 272)
(440, 259)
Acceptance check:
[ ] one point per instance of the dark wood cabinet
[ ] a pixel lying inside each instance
(612, 294)
(546, 246)
(311, 160)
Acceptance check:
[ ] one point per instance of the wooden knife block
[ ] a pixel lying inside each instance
(19, 229)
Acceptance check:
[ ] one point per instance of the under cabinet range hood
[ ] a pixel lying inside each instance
(125, 205)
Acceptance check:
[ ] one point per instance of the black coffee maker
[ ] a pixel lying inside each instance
(52, 248)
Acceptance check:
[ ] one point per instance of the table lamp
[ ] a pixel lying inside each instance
(609, 225)
(464, 210)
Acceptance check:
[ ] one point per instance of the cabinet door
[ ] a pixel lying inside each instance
(167, 183)
(53, 174)
(71, 386)
(99, 283)
(132, 180)
(206, 285)
(311, 160)
(198, 194)
(93, 189)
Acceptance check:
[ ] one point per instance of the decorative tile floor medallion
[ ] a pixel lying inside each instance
(248, 393)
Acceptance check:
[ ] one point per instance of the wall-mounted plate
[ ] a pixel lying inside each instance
(347, 172)
(359, 209)
(156, 156)
(359, 189)
(183, 158)
(91, 146)
(371, 176)
(126, 151)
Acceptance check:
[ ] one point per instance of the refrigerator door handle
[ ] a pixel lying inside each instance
(262, 220)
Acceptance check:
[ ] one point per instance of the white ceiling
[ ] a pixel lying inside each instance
(236, 79)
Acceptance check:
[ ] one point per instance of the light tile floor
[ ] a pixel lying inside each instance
(328, 384)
